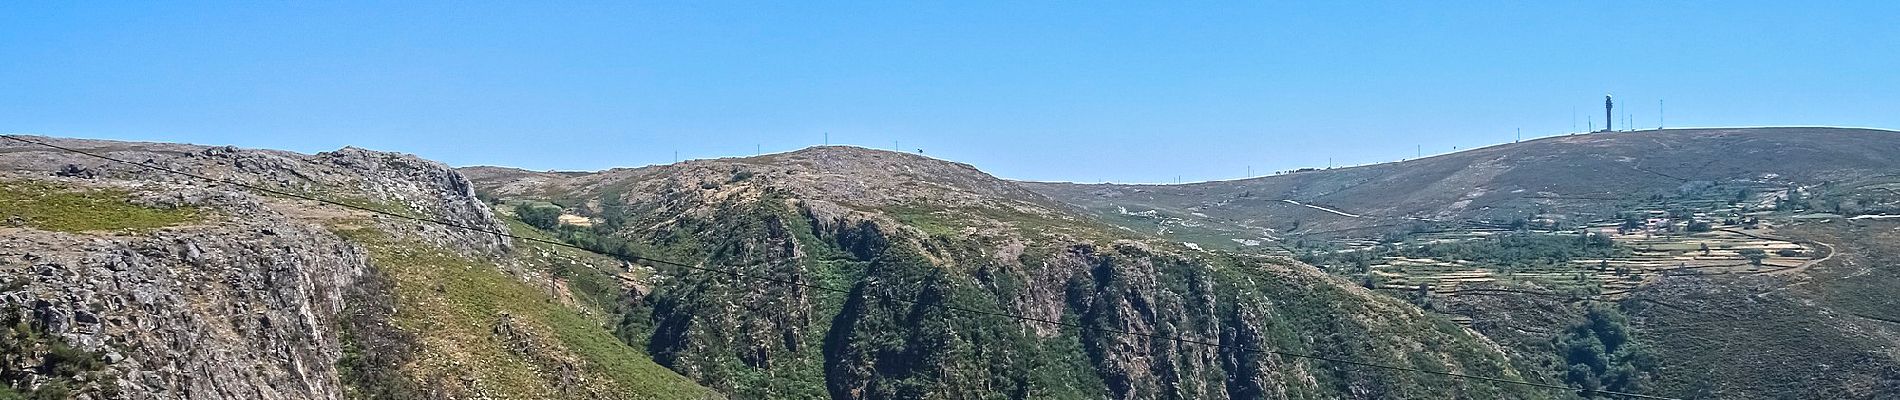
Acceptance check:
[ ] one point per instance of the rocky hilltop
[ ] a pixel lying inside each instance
(880, 226)
(118, 281)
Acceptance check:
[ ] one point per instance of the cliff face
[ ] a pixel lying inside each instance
(239, 309)
(132, 283)
(890, 231)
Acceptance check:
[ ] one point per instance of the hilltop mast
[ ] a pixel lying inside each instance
(1609, 119)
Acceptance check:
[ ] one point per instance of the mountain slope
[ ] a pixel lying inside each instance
(1817, 328)
(883, 226)
(132, 283)
(1576, 178)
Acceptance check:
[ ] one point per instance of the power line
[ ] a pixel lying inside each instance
(742, 275)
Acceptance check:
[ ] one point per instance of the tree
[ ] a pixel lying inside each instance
(544, 216)
(1600, 354)
(1754, 256)
(1699, 226)
(1631, 223)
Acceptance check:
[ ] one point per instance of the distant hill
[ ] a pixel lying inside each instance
(1565, 178)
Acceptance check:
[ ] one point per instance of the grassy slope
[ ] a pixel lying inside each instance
(50, 207)
(454, 303)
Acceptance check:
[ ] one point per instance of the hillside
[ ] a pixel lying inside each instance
(885, 226)
(1576, 178)
(118, 281)
(1743, 263)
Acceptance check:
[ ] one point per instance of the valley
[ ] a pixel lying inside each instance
(1514, 238)
(849, 273)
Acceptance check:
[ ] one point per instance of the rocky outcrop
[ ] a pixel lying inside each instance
(385, 181)
(245, 300)
(242, 309)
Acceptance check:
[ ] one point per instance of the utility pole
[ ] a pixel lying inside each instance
(1520, 135)
(1659, 114)
(676, 156)
(1418, 150)
(827, 138)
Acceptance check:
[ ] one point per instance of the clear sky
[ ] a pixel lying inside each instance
(1079, 91)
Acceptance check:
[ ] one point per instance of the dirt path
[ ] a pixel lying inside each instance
(1811, 263)
(1341, 213)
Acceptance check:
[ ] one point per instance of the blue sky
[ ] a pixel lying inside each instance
(1115, 91)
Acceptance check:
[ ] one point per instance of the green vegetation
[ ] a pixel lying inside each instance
(1754, 256)
(45, 206)
(539, 215)
(1601, 354)
(374, 352)
(589, 276)
(1504, 251)
(26, 350)
(458, 309)
(751, 339)
(1519, 249)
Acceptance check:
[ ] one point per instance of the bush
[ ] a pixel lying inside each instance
(1754, 255)
(1600, 354)
(1699, 226)
(28, 350)
(544, 216)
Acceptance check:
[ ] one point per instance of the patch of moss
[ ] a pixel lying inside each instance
(49, 207)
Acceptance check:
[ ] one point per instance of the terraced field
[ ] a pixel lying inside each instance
(1717, 252)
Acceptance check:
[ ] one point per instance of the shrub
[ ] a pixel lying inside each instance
(1699, 226)
(1754, 255)
(544, 216)
(1600, 354)
(26, 350)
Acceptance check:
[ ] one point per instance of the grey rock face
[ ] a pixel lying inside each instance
(204, 312)
(243, 303)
